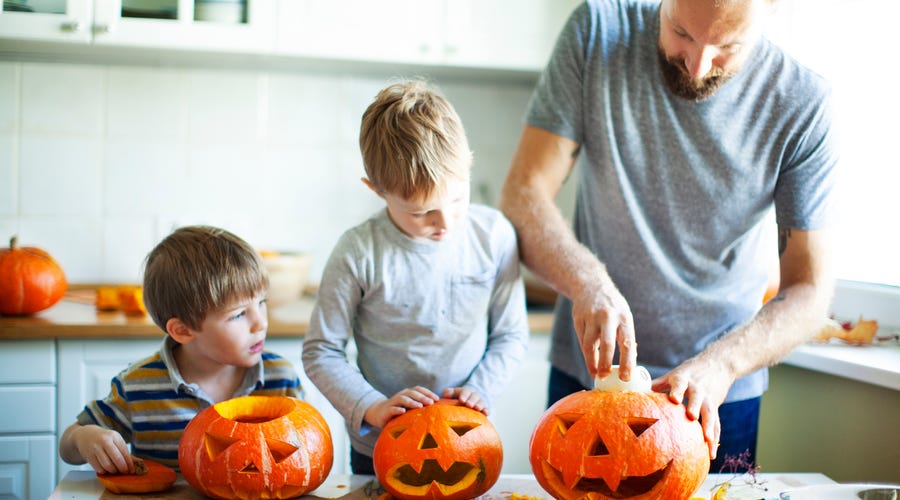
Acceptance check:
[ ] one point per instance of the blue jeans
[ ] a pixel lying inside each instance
(361, 464)
(740, 421)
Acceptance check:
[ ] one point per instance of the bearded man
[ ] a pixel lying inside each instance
(689, 128)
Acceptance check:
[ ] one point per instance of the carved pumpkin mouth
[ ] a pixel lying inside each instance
(458, 476)
(630, 486)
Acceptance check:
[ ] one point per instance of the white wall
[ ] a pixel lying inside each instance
(97, 163)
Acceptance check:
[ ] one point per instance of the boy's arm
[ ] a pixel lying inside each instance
(324, 347)
(507, 323)
(103, 449)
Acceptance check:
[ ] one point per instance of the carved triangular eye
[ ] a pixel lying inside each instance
(564, 422)
(428, 442)
(638, 425)
(217, 444)
(462, 429)
(396, 432)
(598, 448)
(280, 450)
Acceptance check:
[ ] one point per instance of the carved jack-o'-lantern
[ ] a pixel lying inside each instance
(603, 444)
(442, 451)
(256, 447)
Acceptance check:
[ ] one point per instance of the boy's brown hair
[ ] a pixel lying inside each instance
(412, 141)
(197, 269)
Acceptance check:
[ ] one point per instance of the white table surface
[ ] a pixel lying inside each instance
(83, 485)
(877, 364)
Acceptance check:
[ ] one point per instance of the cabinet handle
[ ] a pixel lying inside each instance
(71, 26)
(102, 29)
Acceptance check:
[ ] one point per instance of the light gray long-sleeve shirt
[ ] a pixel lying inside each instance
(435, 314)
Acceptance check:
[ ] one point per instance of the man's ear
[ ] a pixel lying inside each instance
(371, 186)
(179, 331)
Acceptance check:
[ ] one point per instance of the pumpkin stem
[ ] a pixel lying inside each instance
(13, 241)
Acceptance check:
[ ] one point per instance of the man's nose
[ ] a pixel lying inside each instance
(700, 61)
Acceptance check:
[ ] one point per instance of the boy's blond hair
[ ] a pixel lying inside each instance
(412, 141)
(197, 269)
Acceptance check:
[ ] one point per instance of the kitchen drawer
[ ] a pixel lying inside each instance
(28, 409)
(27, 467)
(27, 362)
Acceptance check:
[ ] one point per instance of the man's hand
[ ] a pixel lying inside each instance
(467, 397)
(705, 386)
(104, 449)
(381, 412)
(602, 321)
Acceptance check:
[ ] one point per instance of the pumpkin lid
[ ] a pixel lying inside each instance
(640, 381)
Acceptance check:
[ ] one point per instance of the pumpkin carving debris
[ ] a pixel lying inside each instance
(149, 477)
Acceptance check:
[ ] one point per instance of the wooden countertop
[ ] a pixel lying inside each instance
(76, 317)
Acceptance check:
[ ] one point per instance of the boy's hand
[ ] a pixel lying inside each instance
(467, 397)
(104, 449)
(416, 397)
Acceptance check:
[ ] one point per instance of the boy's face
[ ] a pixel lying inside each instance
(235, 334)
(433, 217)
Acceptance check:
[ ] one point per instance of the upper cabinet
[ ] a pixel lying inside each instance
(216, 25)
(493, 34)
(502, 34)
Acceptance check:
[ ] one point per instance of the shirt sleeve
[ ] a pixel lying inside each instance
(113, 412)
(325, 346)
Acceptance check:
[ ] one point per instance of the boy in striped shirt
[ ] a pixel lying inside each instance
(206, 288)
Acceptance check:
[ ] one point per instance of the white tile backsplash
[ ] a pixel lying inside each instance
(147, 103)
(8, 175)
(60, 175)
(9, 79)
(98, 163)
(62, 99)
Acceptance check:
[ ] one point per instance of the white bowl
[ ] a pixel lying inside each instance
(854, 491)
(288, 276)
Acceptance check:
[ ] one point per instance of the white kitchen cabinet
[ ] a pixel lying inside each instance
(86, 368)
(499, 34)
(153, 24)
(27, 427)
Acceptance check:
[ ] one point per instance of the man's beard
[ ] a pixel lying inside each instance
(681, 84)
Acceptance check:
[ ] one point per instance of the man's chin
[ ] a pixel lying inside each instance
(686, 87)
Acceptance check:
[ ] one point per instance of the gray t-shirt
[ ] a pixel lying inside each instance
(672, 193)
(436, 314)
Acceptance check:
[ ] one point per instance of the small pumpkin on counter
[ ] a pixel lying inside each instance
(442, 451)
(618, 441)
(30, 280)
(149, 477)
(254, 447)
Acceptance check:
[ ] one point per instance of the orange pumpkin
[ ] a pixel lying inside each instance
(154, 478)
(30, 280)
(254, 447)
(443, 451)
(605, 444)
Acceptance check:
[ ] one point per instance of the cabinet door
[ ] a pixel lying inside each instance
(86, 368)
(27, 466)
(406, 31)
(48, 20)
(232, 26)
(291, 349)
(503, 33)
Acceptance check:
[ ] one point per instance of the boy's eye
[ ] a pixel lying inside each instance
(238, 315)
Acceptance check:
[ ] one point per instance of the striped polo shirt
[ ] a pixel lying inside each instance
(150, 404)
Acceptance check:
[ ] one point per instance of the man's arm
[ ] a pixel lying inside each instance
(549, 248)
(793, 317)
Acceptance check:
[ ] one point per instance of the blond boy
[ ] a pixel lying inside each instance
(429, 288)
